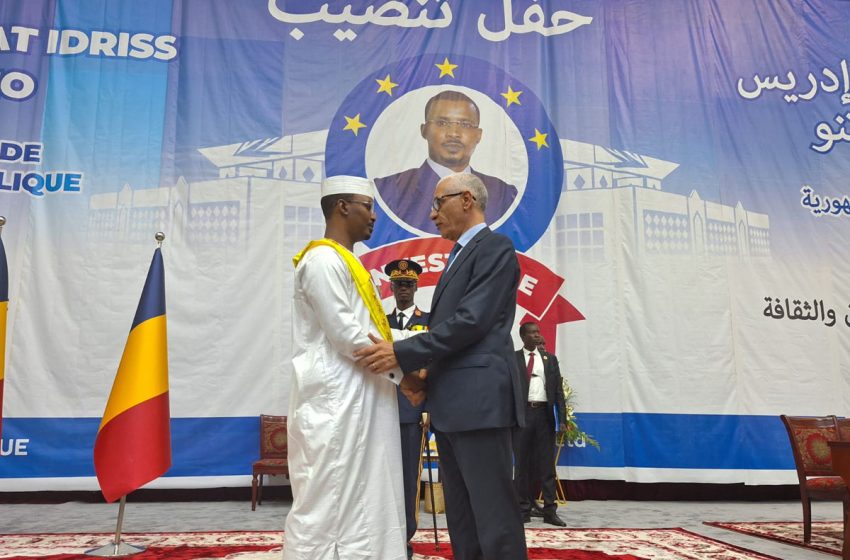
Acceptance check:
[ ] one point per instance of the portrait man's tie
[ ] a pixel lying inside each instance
(530, 369)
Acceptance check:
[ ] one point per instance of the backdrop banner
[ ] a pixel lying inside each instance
(673, 175)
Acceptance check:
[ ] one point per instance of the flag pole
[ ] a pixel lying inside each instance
(116, 547)
(4, 298)
(120, 522)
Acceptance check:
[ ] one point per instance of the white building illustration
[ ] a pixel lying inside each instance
(608, 197)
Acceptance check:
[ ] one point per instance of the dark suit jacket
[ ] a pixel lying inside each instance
(407, 413)
(405, 191)
(554, 387)
(473, 381)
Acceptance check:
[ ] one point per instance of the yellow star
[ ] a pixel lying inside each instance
(511, 96)
(446, 68)
(539, 138)
(354, 124)
(386, 86)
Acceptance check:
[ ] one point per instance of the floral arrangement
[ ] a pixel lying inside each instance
(573, 434)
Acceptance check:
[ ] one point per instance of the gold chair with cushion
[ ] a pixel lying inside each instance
(272, 455)
(809, 437)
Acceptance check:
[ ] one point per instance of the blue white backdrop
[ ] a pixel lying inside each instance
(682, 208)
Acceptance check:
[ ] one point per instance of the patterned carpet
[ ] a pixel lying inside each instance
(544, 544)
(827, 536)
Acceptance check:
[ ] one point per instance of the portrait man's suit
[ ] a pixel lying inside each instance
(474, 395)
(534, 443)
(409, 418)
(405, 191)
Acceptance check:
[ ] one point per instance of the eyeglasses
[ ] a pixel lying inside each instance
(404, 283)
(367, 205)
(443, 123)
(437, 203)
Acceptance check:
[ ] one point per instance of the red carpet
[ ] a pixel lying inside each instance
(176, 546)
(827, 536)
(544, 544)
(606, 544)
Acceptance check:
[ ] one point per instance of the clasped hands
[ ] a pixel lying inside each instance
(380, 358)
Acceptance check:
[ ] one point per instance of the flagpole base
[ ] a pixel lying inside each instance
(113, 550)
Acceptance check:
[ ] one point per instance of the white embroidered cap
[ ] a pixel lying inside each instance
(348, 184)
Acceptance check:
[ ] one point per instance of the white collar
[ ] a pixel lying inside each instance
(442, 171)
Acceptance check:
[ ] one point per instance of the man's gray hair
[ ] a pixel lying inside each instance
(471, 183)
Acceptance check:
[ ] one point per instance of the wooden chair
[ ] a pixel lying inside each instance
(272, 455)
(843, 429)
(841, 465)
(809, 437)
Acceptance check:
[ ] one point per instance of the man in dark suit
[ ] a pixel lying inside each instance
(451, 129)
(534, 444)
(474, 388)
(404, 278)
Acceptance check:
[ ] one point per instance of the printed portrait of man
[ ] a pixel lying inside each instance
(452, 131)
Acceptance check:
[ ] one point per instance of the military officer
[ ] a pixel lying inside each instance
(404, 278)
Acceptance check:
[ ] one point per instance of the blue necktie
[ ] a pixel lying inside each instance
(455, 250)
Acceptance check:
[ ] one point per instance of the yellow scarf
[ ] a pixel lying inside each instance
(362, 280)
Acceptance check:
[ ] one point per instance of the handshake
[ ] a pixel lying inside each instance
(413, 386)
(380, 358)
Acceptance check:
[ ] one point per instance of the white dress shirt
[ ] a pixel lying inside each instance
(537, 383)
(403, 316)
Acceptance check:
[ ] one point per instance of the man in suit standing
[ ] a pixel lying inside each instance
(404, 277)
(534, 444)
(474, 387)
(452, 131)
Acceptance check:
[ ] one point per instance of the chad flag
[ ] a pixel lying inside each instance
(4, 306)
(133, 443)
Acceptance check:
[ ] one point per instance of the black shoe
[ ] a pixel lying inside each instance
(553, 519)
(526, 518)
(537, 512)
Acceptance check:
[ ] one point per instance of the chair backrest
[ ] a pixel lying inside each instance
(272, 437)
(843, 429)
(808, 437)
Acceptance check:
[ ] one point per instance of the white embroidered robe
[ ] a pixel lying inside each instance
(344, 452)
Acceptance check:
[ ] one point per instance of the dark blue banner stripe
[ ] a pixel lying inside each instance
(23, 120)
(62, 447)
(152, 302)
(683, 441)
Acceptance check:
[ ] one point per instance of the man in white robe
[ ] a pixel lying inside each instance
(344, 456)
